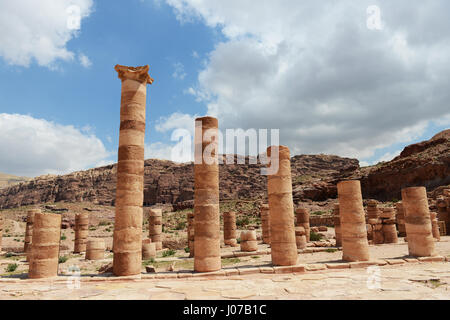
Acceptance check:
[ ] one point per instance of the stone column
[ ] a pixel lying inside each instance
(29, 231)
(206, 196)
(95, 249)
(248, 241)
(389, 228)
(337, 225)
(45, 246)
(418, 222)
(300, 237)
(229, 228)
(127, 241)
(281, 207)
(400, 219)
(443, 213)
(148, 249)
(303, 221)
(355, 246)
(155, 227)
(372, 209)
(1, 231)
(434, 226)
(81, 232)
(265, 223)
(191, 233)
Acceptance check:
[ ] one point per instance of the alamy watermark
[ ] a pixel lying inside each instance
(373, 21)
(208, 142)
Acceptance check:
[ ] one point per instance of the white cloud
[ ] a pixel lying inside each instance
(32, 147)
(315, 71)
(175, 121)
(84, 60)
(39, 30)
(195, 54)
(158, 150)
(179, 71)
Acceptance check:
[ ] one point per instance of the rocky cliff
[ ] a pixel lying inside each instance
(314, 177)
(422, 164)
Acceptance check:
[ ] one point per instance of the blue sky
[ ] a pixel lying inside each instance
(253, 66)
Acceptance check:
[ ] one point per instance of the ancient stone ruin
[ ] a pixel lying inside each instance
(355, 246)
(229, 228)
(206, 199)
(29, 232)
(148, 249)
(418, 222)
(1, 230)
(389, 226)
(337, 225)
(155, 227)
(130, 171)
(81, 232)
(95, 249)
(45, 246)
(265, 223)
(191, 233)
(282, 226)
(303, 221)
(248, 241)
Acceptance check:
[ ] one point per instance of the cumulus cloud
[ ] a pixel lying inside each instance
(319, 74)
(179, 72)
(40, 30)
(84, 60)
(32, 147)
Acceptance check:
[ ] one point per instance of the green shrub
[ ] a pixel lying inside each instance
(63, 237)
(315, 236)
(242, 221)
(169, 253)
(9, 255)
(63, 259)
(187, 250)
(331, 250)
(180, 225)
(12, 267)
(148, 262)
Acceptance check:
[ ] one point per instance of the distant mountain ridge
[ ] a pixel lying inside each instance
(7, 180)
(314, 177)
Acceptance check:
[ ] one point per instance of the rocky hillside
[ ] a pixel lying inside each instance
(314, 178)
(166, 182)
(422, 164)
(7, 180)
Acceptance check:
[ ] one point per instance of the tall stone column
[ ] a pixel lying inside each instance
(434, 226)
(81, 232)
(265, 223)
(206, 197)
(355, 246)
(400, 217)
(45, 246)
(127, 241)
(418, 222)
(281, 207)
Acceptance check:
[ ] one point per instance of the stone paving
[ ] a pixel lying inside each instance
(390, 275)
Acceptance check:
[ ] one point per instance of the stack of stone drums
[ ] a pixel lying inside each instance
(45, 246)
(443, 212)
(81, 232)
(355, 246)
(229, 228)
(303, 221)
(373, 219)
(29, 232)
(435, 226)
(1, 231)
(155, 227)
(95, 249)
(265, 223)
(337, 225)
(418, 222)
(148, 249)
(300, 237)
(248, 241)
(191, 233)
(400, 217)
(389, 227)
(281, 206)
